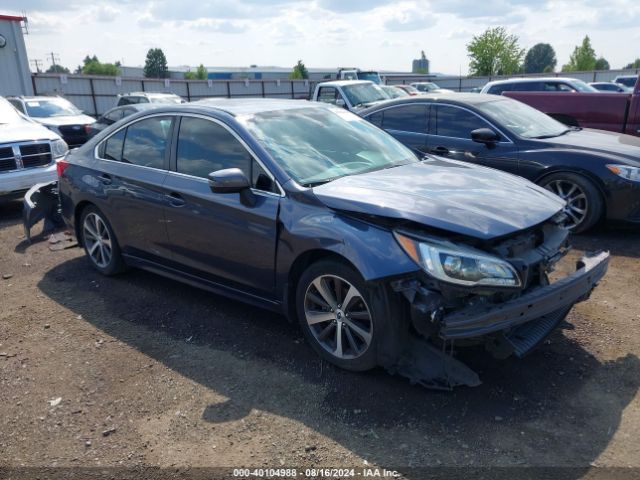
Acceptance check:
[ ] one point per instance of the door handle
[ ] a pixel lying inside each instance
(175, 199)
(440, 150)
(105, 179)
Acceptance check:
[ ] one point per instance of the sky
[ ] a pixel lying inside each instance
(369, 34)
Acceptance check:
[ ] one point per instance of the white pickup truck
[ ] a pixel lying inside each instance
(28, 152)
(353, 95)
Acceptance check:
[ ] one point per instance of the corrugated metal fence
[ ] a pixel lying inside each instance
(95, 95)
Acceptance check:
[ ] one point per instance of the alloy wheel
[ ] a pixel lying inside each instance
(97, 240)
(577, 202)
(338, 317)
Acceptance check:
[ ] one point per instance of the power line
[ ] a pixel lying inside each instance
(53, 56)
(37, 64)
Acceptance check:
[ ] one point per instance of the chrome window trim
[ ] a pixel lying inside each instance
(194, 115)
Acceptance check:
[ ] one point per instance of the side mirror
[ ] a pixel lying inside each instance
(484, 135)
(340, 103)
(229, 180)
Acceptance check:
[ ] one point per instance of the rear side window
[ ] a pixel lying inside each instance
(113, 146)
(205, 146)
(114, 115)
(146, 142)
(407, 118)
(17, 104)
(498, 89)
(526, 87)
(457, 123)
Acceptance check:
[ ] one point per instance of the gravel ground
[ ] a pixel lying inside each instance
(138, 370)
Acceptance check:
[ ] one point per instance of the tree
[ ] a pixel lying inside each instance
(57, 69)
(583, 58)
(299, 71)
(635, 64)
(602, 64)
(93, 66)
(200, 73)
(155, 66)
(495, 52)
(540, 58)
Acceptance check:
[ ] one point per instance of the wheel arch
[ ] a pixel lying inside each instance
(77, 215)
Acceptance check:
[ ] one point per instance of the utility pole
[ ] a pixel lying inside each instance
(53, 56)
(37, 64)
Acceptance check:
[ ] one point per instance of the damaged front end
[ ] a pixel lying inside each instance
(41, 202)
(493, 293)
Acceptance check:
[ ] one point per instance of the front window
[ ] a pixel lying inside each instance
(522, 119)
(51, 107)
(364, 93)
(371, 76)
(318, 145)
(8, 114)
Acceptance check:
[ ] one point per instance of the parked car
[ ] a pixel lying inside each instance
(542, 84)
(350, 94)
(57, 114)
(605, 111)
(597, 173)
(28, 152)
(429, 87)
(627, 80)
(611, 87)
(148, 97)
(393, 92)
(311, 211)
(412, 91)
(357, 74)
(112, 116)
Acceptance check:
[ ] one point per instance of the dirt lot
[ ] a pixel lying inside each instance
(152, 372)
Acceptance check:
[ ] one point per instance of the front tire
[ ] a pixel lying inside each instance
(584, 203)
(347, 321)
(100, 243)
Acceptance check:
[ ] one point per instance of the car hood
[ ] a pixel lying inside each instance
(601, 142)
(64, 120)
(24, 132)
(454, 196)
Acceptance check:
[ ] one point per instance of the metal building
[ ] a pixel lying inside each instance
(15, 77)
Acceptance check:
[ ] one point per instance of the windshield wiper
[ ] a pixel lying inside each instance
(564, 132)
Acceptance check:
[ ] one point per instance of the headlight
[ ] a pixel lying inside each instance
(459, 265)
(59, 148)
(626, 172)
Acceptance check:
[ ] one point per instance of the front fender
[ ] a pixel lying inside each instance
(370, 248)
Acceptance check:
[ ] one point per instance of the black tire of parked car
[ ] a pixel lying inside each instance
(115, 263)
(389, 323)
(594, 201)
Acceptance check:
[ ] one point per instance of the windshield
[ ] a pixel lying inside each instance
(167, 99)
(628, 81)
(364, 93)
(318, 145)
(371, 76)
(581, 86)
(8, 114)
(50, 107)
(394, 92)
(426, 87)
(522, 119)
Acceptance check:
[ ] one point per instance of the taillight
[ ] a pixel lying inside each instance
(87, 129)
(61, 166)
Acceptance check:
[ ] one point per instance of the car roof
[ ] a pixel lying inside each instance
(37, 97)
(342, 83)
(455, 98)
(149, 94)
(532, 79)
(250, 106)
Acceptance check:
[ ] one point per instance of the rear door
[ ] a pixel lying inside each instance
(133, 167)
(409, 123)
(221, 236)
(450, 137)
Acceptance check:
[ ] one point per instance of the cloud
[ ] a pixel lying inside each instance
(410, 20)
(219, 26)
(350, 6)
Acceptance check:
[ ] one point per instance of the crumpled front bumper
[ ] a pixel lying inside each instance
(542, 302)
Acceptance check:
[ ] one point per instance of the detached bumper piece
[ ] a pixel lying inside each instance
(542, 306)
(41, 202)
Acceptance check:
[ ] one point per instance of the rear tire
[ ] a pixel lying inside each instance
(585, 205)
(357, 335)
(100, 243)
